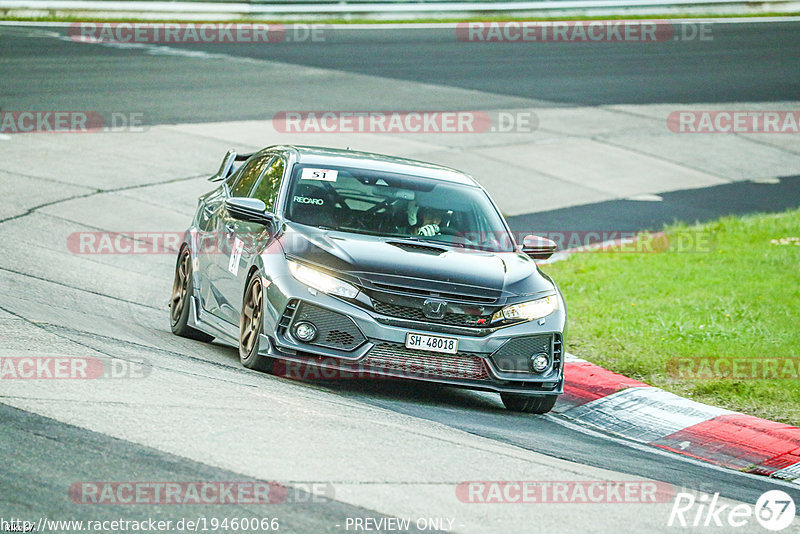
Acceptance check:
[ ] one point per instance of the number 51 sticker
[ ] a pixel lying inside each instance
(236, 254)
(324, 175)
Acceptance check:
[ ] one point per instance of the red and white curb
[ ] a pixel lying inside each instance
(650, 415)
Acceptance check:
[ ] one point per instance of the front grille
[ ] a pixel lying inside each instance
(415, 314)
(513, 356)
(397, 359)
(334, 330)
(477, 295)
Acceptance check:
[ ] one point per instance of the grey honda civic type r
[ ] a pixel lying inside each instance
(371, 266)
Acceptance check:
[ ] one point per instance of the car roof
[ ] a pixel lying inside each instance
(335, 157)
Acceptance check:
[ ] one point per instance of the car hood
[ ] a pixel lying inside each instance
(428, 266)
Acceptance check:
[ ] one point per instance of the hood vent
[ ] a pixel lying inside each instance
(417, 247)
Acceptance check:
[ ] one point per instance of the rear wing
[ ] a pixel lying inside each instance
(228, 165)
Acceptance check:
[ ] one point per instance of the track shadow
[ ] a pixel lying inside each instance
(410, 391)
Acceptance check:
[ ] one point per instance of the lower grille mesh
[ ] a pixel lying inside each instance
(398, 359)
(334, 330)
(514, 354)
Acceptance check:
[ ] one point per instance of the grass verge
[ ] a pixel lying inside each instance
(680, 320)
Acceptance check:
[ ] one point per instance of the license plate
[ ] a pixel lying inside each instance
(447, 345)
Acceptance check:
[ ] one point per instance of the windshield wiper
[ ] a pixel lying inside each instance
(421, 239)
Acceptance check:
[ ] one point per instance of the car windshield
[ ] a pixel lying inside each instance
(385, 204)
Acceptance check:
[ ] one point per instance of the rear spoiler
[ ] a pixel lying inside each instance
(226, 169)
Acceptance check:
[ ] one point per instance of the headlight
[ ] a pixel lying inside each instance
(534, 309)
(321, 281)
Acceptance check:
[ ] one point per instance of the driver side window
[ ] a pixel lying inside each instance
(249, 175)
(268, 186)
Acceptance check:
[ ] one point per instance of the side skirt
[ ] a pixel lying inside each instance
(210, 324)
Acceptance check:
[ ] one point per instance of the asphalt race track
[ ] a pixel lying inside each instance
(742, 63)
(180, 410)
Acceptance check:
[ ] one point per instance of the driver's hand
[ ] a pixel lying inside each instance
(429, 230)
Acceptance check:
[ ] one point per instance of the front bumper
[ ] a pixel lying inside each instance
(355, 342)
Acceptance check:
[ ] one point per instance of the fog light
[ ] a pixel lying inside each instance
(540, 362)
(305, 332)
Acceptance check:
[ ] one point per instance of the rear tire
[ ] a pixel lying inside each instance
(250, 324)
(179, 307)
(528, 403)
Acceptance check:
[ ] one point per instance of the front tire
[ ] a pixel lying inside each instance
(250, 325)
(179, 307)
(528, 403)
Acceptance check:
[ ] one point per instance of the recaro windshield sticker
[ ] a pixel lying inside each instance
(307, 200)
(324, 175)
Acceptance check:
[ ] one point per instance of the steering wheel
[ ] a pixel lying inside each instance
(356, 221)
(377, 207)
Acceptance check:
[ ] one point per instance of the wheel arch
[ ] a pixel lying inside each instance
(254, 270)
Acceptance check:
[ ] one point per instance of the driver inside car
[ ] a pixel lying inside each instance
(429, 222)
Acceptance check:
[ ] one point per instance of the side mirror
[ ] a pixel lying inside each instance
(225, 167)
(538, 248)
(249, 210)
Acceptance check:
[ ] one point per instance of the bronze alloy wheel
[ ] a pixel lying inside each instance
(180, 286)
(250, 326)
(182, 291)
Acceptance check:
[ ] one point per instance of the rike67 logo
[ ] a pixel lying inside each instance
(774, 510)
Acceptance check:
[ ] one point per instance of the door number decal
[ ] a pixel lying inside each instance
(236, 254)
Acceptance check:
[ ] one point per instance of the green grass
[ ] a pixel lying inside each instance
(365, 20)
(634, 312)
